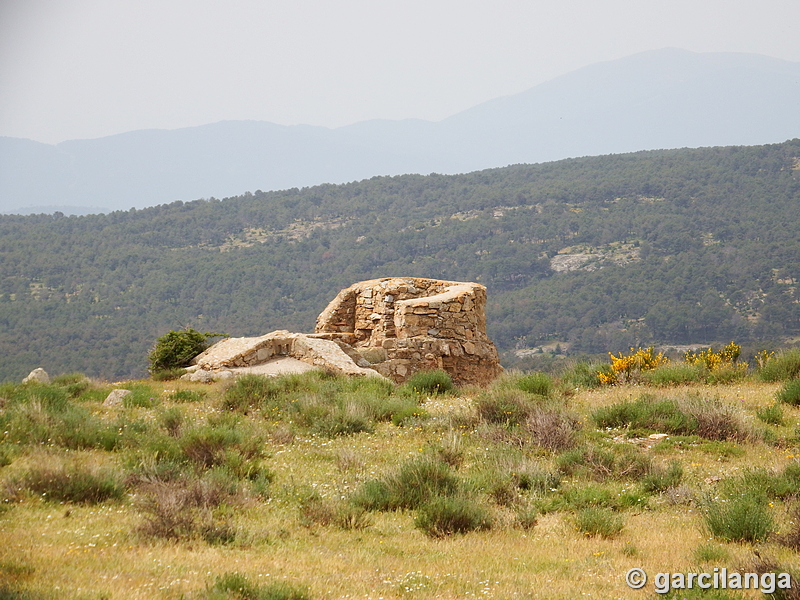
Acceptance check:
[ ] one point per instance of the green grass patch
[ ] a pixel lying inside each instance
(430, 383)
(142, 396)
(235, 586)
(673, 374)
(781, 367)
(181, 396)
(790, 393)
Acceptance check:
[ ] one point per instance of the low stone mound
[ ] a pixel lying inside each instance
(269, 354)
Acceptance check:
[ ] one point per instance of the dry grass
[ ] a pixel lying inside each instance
(95, 551)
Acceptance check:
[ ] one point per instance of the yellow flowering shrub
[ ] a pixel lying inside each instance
(713, 361)
(624, 367)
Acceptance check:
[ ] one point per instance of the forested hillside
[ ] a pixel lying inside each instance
(655, 247)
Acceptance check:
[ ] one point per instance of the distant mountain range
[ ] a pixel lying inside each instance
(667, 98)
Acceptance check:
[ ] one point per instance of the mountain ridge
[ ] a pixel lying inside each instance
(667, 98)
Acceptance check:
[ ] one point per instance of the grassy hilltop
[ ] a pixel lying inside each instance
(316, 486)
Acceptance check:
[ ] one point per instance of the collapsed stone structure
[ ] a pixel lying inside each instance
(408, 324)
(392, 327)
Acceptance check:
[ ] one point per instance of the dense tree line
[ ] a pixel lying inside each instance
(714, 236)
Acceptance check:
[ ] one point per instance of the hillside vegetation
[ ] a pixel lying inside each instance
(668, 247)
(316, 486)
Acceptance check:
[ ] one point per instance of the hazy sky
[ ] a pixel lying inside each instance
(89, 68)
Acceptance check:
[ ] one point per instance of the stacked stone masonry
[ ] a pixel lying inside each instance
(408, 324)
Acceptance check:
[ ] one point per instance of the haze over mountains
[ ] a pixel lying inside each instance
(659, 99)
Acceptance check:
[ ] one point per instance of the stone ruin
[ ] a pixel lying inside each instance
(390, 327)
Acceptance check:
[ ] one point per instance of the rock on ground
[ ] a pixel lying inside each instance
(37, 375)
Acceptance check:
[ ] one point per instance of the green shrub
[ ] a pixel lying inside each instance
(726, 373)
(409, 414)
(744, 518)
(413, 484)
(790, 393)
(773, 415)
(249, 391)
(274, 395)
(7, 454)
(235, 586)
(765, 483)
(44, 415)
(527, 517)
(172, 420)
(536, 383)
(71, 482)
(175, 349)
(442, 516)
(599, 521)
(341, 420)
(314, 509)
(782, 367)
(537, 479)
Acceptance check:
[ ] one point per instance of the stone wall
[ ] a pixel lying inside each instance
(419, 324)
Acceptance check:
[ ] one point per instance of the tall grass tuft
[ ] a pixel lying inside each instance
(772, 415)
(536, 383)
(504, 406)
(583, 374)
(599, 521)
(442, 516)
(661, 478)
